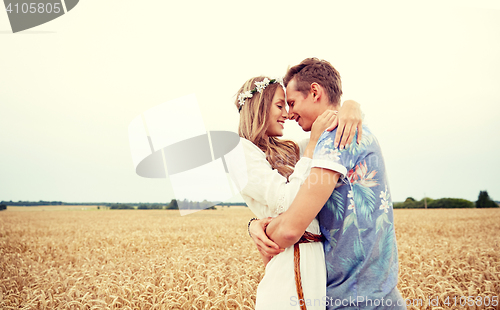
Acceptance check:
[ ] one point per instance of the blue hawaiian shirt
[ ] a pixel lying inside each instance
(357, 221)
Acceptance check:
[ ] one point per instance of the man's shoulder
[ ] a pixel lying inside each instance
(331, 134)
(368, 141)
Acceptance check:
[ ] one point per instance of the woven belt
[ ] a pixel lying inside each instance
(306, 238)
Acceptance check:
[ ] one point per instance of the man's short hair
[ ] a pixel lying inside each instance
(312, 70)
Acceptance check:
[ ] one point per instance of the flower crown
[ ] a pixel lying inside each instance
(259, 87)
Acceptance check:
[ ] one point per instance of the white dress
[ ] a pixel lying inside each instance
(268, 194)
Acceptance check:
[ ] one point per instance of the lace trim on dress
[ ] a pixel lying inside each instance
(280, 207)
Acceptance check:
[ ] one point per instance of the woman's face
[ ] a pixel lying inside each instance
(277, 115)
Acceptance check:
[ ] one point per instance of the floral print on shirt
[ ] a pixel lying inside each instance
(357, 221)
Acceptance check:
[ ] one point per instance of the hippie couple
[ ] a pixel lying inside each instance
(325, 227)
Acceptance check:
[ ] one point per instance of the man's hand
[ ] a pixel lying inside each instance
(348, 119)
(266, 246)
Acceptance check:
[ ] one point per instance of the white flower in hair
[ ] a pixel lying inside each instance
(260, 86)
(280, 80)
(243, 96)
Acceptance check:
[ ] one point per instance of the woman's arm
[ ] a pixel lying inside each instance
(268, 189)
(348, 120)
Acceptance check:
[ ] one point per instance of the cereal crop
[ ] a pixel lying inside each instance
(155, 259)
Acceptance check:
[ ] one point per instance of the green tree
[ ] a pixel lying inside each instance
(121, 206)
(173, 205)
(409, 203)
(3, 207)
(156, 206)
(445, 203)
(484, 201)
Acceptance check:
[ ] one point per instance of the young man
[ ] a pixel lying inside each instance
(347, 189)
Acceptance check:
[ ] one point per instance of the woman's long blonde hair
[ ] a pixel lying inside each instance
(281, 154)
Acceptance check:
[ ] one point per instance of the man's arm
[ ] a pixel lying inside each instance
(286, 229)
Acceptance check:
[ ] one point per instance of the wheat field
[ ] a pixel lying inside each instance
(86, 258)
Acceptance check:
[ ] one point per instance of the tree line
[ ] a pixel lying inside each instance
(483, 201)
(21, 203)
(172, 205)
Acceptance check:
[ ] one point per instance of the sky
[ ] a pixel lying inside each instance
(426, 74)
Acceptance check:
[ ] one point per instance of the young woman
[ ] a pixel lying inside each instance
(275, 172)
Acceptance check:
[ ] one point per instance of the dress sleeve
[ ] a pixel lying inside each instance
(266, 185)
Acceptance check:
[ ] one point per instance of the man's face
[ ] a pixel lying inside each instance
(300, 106)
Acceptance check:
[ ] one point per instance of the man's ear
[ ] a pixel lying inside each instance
(316, 91)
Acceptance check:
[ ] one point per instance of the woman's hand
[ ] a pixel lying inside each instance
(348, 119)
(322, 122)
(266, 246)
